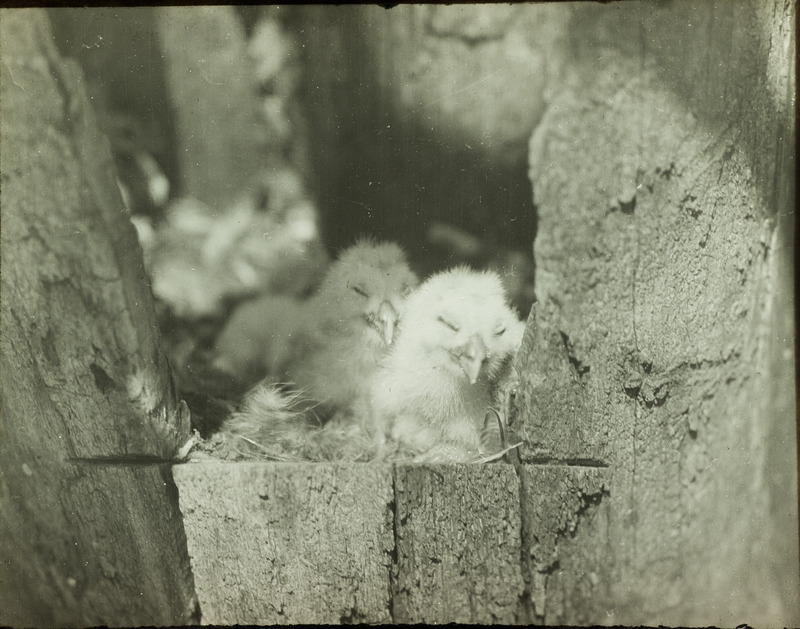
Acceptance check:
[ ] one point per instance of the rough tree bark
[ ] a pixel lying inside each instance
(661, 350)
(90, 528)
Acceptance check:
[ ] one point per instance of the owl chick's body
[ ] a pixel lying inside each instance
(349, 324)
(259, 338)
(434, 388)
(328, 346)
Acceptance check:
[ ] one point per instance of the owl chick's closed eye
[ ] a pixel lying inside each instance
(351, 321)
(433, 390)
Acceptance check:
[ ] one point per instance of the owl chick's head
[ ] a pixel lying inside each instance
(459, 320)
(365, 288)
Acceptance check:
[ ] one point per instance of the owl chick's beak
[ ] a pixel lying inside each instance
(471, 357)
(384, 321)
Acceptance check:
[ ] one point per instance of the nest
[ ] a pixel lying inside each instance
(275, 424)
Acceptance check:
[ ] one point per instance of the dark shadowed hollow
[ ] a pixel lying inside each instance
(627, 168)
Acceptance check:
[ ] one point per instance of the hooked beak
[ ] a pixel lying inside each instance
(471, 357)
(384, 321)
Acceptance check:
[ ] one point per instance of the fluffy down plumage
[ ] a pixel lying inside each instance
(329, 345)
(434, 388)
(349, 324)
(279, 425)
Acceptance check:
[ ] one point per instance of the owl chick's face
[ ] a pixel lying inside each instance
(365, 290)
(459, 321)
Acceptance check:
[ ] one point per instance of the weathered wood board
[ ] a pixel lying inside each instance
(320, 543)
(458, 544)
(565, 514)
(278, 543)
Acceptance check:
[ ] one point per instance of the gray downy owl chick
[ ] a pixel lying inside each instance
(350, 323)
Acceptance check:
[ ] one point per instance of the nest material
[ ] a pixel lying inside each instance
(278, 425)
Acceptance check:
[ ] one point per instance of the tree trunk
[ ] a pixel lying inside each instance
(661, 344)
(90, 524)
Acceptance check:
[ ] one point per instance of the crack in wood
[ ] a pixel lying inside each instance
(525, 608)
(393, 553)
(579, 367)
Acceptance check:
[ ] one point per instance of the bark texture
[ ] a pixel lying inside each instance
(85, 383)
(661, 346)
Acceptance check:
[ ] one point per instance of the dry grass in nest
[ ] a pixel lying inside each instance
(276, 425)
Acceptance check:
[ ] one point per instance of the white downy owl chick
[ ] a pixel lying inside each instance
(434, 388)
